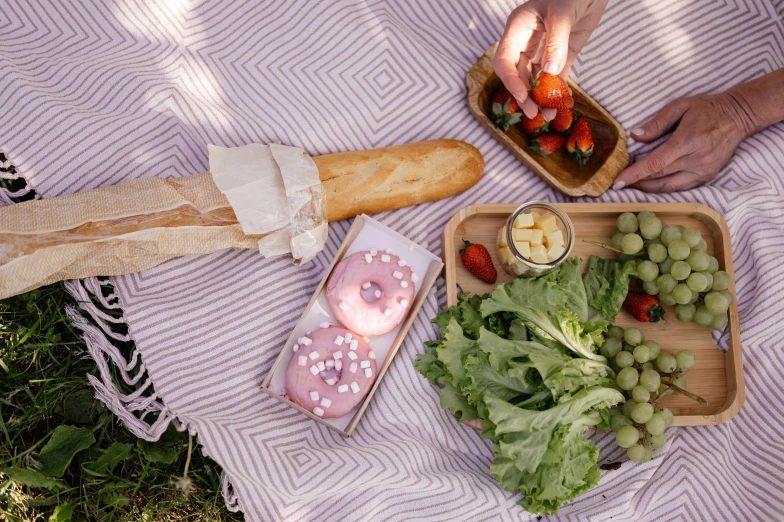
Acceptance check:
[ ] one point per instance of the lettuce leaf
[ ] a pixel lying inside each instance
(606, 283)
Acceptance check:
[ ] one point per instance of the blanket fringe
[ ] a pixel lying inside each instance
(131, 408)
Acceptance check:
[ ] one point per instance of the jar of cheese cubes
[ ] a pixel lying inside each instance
(536, 238)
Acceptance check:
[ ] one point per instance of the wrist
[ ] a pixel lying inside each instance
(759, 102)
(742, 112)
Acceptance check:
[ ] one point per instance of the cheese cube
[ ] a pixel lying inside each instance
(523, 247)
(535, 215)
(547, 223)
(539, 254)
(554, 239)
(555, 252)
(522, 234)
(523, 221)
(502, 237)
(536, 237)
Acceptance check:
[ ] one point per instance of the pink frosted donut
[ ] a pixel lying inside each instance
(331, 371)
(358, 273)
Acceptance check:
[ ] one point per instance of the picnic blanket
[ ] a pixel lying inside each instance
(93, 94)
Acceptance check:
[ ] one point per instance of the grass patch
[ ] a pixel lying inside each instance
(69, 457)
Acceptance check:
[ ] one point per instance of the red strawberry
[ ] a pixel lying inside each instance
(547, 143)
(549, 91)
(580, 141)
(477, 260)
(645, 308)
(506, 112)
(536, 125)
(563, 121)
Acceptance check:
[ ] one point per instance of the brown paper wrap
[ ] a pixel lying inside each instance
(141, 223)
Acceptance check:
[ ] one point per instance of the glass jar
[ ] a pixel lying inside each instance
(515, 264)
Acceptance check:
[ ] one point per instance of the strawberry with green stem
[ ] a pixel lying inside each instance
(548, 90)
(477, 260)
(547, 143)
(536, 125)
(579, 144)
(506, 112)
(645, 308)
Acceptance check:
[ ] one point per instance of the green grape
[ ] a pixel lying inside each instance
(658, 441)
(666, 283)
(680, 270)
(627, 436)
(656, 424)
(709, 278)
(698, 260)
(719, 322)
(653, 348)
(611, 347)
(721, 280)
(650, 288)
(647, 366)
(680, 228)
(636, 453)
(667, 299)
(703, 317)
(647, 270)
(716, 303)
(679, 381)
(627, 223)
(681, 294)
(642, 412)
(650, 380)
(628, 347)
(692, 236)
(631, 244)
(666, 363)
(685, 312)
(650, 227)
(633, 336)
(619, 421)
(666, 413)
(694, 297)
(615, 242)
(641, 353)
(728, 295)
(624, 359)
(670, 234)
(648, 455)
(684, 359)
(626, 409)
(644, 214)
(615, 331)
(697, 281)
(640, 394)
(702, 246)
(664, 266)
(627, 378)
(713, 265)
(657, 252)
(679, 250)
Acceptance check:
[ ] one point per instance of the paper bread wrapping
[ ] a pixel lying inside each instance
(141, 223)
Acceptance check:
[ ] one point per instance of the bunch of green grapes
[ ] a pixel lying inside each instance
(673, 264)
(645, 374)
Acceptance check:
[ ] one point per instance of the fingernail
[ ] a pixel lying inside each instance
(550, 67)
(638, 132)
(619, 185)
(549, 114)
(529, 108)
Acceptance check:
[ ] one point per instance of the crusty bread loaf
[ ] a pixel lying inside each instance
(369, 181)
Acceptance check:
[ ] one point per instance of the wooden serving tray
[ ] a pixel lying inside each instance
(609, 157)
(716, 376)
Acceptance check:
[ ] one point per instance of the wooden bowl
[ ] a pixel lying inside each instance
(609, 157)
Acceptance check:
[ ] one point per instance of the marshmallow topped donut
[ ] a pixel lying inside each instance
(331, 371)
(380, 275)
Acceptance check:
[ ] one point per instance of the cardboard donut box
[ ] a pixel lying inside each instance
(365, 233)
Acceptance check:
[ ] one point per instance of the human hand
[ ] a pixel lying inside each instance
(709, 129)
(543, 35)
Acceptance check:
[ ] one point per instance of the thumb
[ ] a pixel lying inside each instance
(662, 122)
(556, 48)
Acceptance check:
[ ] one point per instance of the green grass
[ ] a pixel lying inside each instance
(43, 385)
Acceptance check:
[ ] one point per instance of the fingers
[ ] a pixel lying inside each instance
(659, 163)
(558, 26)
(662, 122)
(505, 64)
(549, 114)
(682, 180)
(529, 108)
